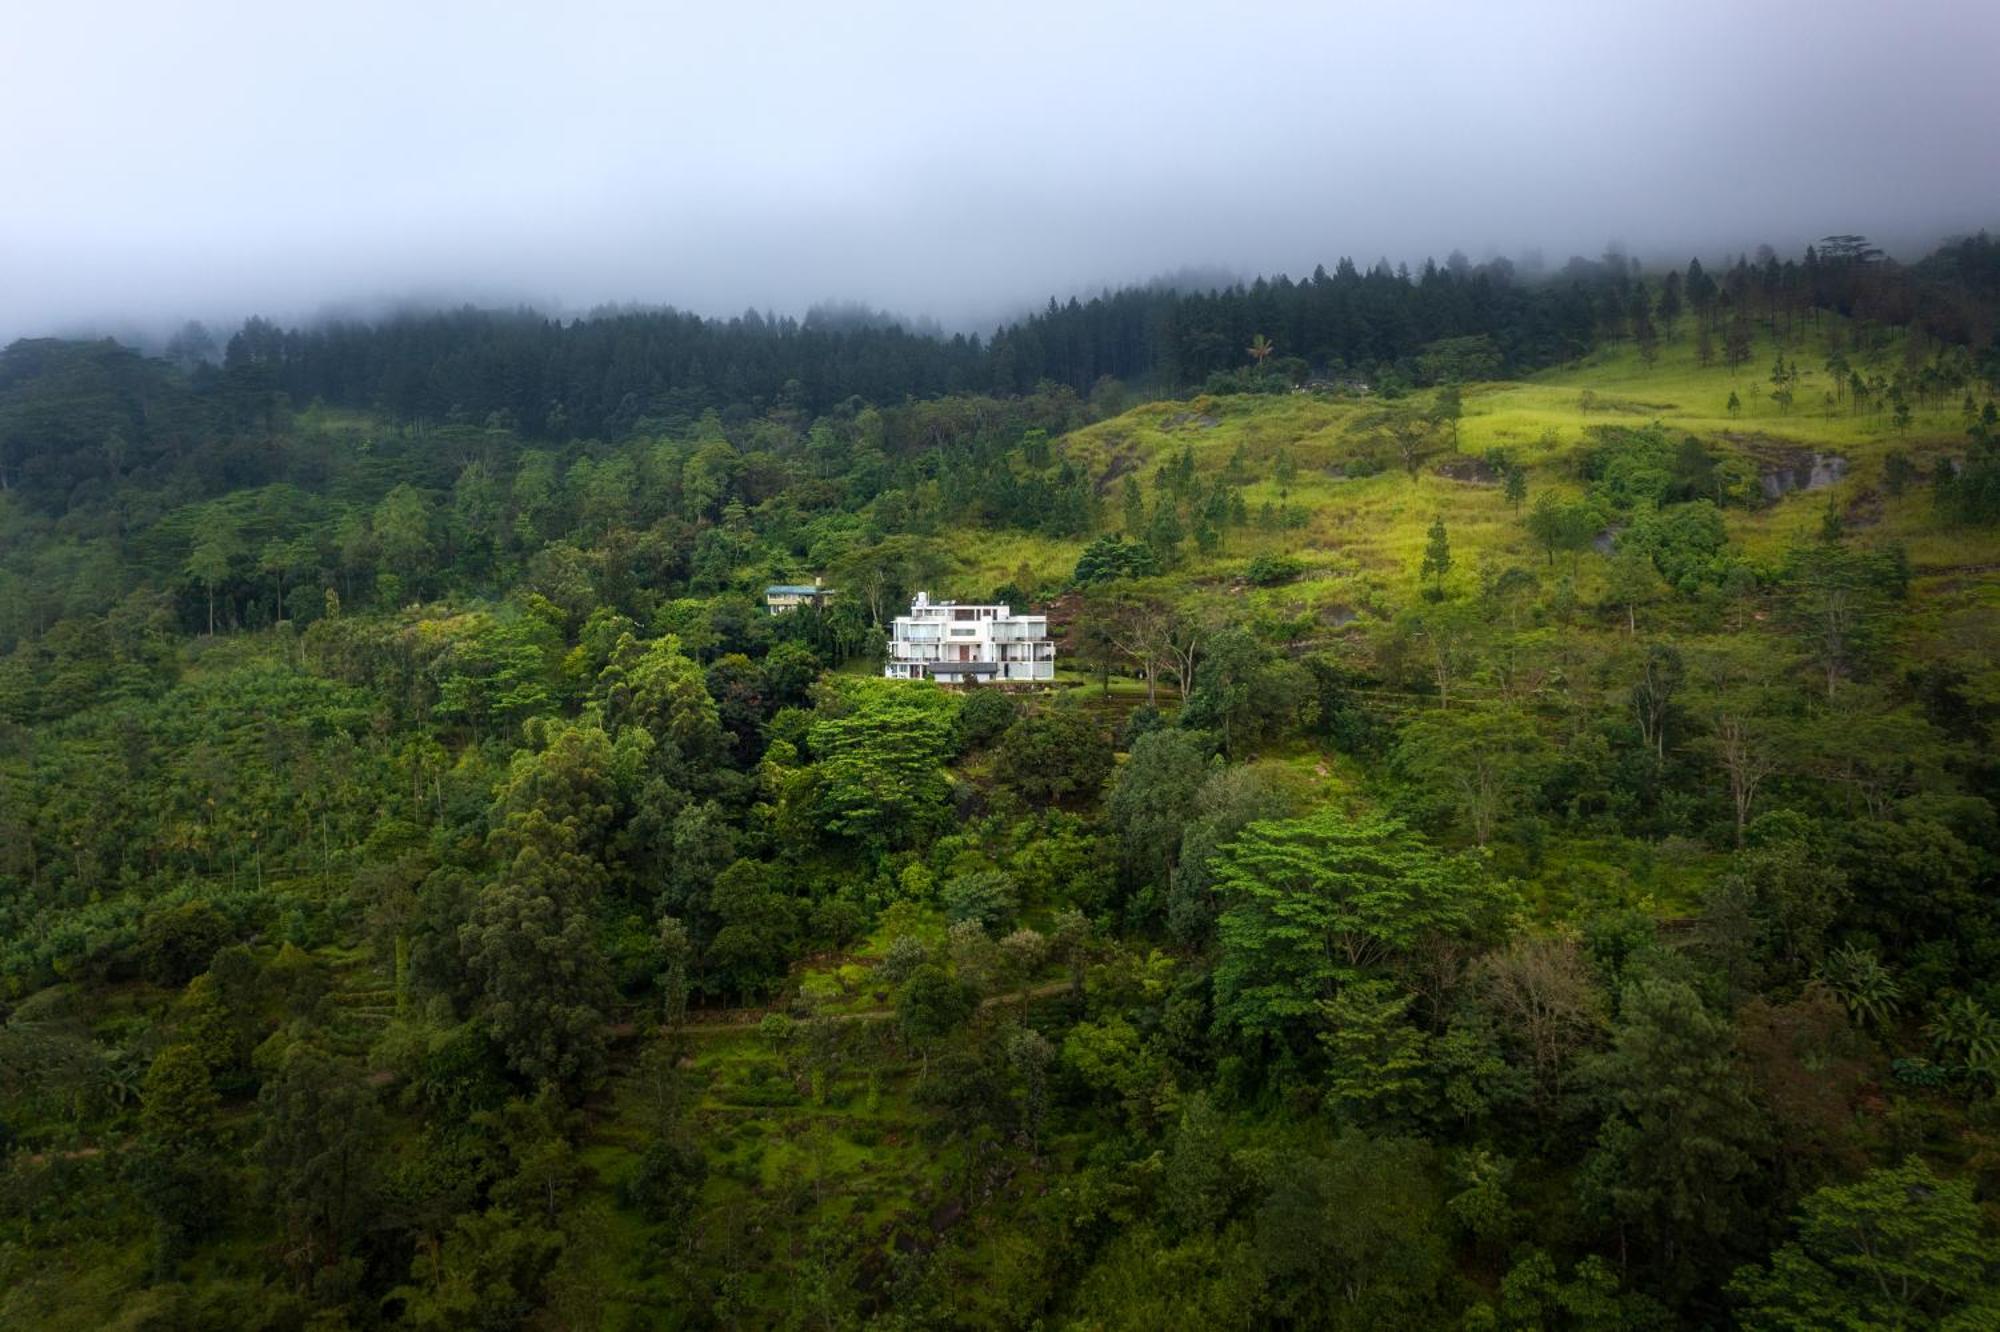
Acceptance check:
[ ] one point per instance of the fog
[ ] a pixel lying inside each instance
(953, 162)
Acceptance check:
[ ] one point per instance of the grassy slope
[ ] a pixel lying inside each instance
(1369, 532)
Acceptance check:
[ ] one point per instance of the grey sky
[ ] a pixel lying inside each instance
(954, 160)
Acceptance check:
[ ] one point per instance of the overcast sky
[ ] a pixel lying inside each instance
(945, 159)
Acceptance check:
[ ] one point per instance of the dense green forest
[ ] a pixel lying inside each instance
(1512, 843)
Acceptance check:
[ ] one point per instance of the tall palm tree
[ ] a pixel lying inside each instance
(1260, 349)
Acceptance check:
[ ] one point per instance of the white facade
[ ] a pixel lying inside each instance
(955, 643)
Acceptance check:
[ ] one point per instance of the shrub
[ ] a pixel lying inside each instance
(904, 955)
(986, 715)
(1271, 570)
(176, 945)
(667, 1181)
(1140, 721)
(1054, 756)
(1112, 557)
(987, 896)
(838, 921)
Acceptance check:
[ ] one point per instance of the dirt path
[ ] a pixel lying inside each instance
(739, 1020)
(74, 1154)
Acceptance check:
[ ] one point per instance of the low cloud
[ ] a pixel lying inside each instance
(955, 164)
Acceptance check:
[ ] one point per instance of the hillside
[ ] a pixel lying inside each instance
(1500, 852)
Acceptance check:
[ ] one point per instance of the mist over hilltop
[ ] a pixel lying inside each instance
(208, 163)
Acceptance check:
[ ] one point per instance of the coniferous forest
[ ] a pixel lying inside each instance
(1513, 841)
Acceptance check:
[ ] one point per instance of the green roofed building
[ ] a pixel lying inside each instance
(782, 597)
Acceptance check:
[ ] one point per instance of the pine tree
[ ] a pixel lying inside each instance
(1165, 534)
(1378, 1070)
(1643, 332)
(1448, 410)
(1676, 1158)
(1134, 504)
(1437, 559)
(1736, 342)
(1670, 304)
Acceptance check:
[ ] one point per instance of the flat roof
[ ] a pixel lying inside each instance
(996, 619)
(795, 590)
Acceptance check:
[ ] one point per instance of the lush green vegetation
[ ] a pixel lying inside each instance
(1503, 852)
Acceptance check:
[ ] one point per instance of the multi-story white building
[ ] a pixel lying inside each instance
(967, 644)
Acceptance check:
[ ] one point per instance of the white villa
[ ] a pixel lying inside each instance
(968, 644)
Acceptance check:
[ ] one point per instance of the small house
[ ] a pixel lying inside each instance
(782, 597)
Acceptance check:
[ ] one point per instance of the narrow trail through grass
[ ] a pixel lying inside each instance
(730, 1020)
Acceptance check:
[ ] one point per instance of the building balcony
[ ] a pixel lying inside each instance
(1020, 630)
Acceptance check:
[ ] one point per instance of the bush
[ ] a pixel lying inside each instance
(177, 944)
(1143, 720)
(1271, 570)
(988, 897)
(1221, 383)
(1111, 557)
(1054, 756)
(838, 921)
(903, 956)
(666, 1183)
(986, 715)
